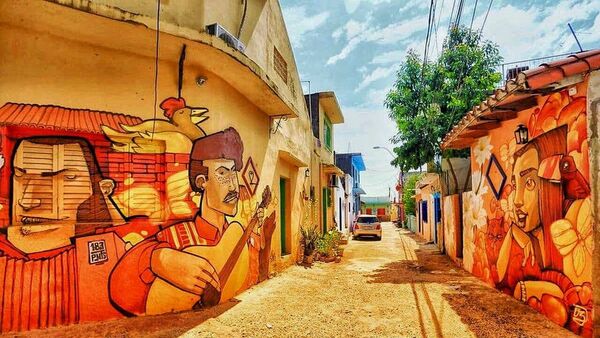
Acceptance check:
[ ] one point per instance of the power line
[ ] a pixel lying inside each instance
(473, 17)
(461, 5)
(486, 16)
(451, 15)
(428, 33)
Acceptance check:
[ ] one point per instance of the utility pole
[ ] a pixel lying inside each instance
(575, 36)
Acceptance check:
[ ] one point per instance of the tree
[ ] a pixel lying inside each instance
(408, 194)
(427, 100)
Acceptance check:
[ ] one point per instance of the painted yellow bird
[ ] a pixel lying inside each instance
(174, 135)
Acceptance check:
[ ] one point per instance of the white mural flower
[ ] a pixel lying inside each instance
(479, 185)
(482, 150)
(507, 152)
(475, 213)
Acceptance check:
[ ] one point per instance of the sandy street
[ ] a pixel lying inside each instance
(398, 287)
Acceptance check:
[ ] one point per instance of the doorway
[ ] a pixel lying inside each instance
(283, 216)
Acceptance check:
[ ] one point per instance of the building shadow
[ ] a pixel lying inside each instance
(486, 311)
(166, 325)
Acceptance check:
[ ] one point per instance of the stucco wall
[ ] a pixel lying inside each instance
(530, 235)
(117, 239)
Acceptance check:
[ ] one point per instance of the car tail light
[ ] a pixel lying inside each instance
(356, 226)
(378, 226)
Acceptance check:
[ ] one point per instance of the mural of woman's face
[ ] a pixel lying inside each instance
(221, 187)
(526, 183)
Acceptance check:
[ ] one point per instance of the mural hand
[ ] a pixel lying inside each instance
(188, 272)
(528, 253)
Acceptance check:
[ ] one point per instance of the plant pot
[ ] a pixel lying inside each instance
(329, 259)
(309, 259)
(340, 252)
(338, 259)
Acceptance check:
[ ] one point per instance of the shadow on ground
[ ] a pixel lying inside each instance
(168, 325)
(486, 311)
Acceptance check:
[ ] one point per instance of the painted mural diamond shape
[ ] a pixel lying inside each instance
(495, 176)
(250, 176)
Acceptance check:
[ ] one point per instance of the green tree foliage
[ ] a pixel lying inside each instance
(428, 99)
(408, 194)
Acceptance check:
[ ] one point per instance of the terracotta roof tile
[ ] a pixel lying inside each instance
(551, 72)
(55, 117)
(530, 80)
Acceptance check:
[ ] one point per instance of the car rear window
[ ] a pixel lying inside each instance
(368, 220)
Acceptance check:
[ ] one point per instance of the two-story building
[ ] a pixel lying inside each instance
(139, 139)
(325, 112)
(352, 164)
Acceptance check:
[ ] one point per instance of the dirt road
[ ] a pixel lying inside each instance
(397, 287)
(393, 288)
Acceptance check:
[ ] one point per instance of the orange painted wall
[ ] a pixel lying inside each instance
(527, 221)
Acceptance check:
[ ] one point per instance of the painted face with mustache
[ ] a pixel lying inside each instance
(221, 187)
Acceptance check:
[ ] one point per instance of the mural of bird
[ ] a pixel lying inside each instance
(176, 133)
(574, 184)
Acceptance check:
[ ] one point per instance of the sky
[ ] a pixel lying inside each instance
(355, 47)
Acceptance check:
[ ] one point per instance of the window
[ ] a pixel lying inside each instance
(367, 220)
(327, 132)
(280, 65)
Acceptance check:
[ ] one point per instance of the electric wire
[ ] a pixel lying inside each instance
(451, 15)
(428, 33)
(156, 67)
(485, 18)
(473, 16)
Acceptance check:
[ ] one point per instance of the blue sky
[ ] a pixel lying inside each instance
(354, 48)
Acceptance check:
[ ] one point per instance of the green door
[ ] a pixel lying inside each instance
(282, 214)
(325, 199)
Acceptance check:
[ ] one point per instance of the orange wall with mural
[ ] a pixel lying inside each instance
(527, 221)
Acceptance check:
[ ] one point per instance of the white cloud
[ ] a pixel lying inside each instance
(299, 23)
(352, 5)
(360, 133)
(536, 31)
(359, 32)
(389, 57)
(375, 75)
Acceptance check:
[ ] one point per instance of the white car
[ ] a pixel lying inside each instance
(367, 225)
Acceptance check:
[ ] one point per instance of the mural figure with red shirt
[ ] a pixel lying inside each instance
(60, 241)
(177, 269)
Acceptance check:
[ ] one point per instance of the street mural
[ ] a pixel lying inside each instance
(106, 215)
(527, 221)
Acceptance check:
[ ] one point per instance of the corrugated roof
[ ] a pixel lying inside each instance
(55, 117)
(517, 95)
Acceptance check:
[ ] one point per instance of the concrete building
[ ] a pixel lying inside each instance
(133, 136)
(352, 164)
(379, 206)
(428, 213)
(326, 189)
(528, 219)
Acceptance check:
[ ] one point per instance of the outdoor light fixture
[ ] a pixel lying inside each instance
(522, 134)
(200, 80)
(307, 173)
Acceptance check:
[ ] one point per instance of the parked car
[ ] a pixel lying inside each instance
(367, 225)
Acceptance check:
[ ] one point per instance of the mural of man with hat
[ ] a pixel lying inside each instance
(215, 161)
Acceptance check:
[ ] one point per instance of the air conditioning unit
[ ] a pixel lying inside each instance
(218, 30)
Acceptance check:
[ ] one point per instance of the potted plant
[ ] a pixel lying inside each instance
(309, 237)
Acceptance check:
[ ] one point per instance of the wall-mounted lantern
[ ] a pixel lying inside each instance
(522, 134)
(307, 173)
